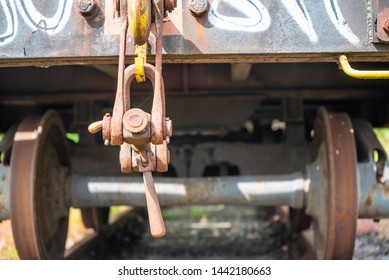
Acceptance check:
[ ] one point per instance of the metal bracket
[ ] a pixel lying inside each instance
(367, 143)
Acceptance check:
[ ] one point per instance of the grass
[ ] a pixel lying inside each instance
(383, 136)
(200, 211)
(173, 213)
(74, 137)
(9, 253)
(195, 212)
(250, 213)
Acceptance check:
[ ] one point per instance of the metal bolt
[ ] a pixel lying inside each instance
(87, 8)
(135, 120)
(198, 7)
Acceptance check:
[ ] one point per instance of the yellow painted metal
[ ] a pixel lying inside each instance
(139, 20)
(361, 74)
(140, 61)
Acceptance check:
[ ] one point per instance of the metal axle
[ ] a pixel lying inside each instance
(278, 190)
(267, 190)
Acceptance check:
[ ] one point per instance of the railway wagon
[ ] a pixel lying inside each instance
(244, 102)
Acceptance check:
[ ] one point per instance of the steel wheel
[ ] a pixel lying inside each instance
(39, 167)
(332, 198)
(96, 218)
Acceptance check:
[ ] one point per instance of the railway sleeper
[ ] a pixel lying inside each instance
(344, 177)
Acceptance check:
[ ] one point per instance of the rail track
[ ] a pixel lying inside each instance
(133, 218)
(207, 233)
(236, 234)
(217, 233)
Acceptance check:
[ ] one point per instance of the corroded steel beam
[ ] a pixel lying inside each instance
(32, 33)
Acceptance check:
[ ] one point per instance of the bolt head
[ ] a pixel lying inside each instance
(86, 7)
(198, 7)
(135, 120)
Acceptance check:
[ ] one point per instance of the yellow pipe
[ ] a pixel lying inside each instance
(361, 74)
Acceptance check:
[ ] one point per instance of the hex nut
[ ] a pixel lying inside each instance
(86, 8)
(198, 7)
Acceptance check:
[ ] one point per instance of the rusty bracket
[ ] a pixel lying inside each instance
(160, 126)
(118, 110)
(158, 115)
(382, 30)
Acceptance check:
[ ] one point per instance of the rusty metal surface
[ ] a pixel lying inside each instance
(86, 191)
(382, 31)
(133, 125)
(289, 30)
(158, 115)
(39, 166)
(162, 156)
(332, 198)
(118, 109)
(170, 5)
(157, 225)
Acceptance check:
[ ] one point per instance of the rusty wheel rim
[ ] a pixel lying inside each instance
(335, 227)
(95, 217)
(39, 167)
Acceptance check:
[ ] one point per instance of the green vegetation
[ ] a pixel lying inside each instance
(250, 213)
(194, 212)
(383, 136)
(9, 253)
(74, 137)
(200, 211)
(173, 213)
(116, 210)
